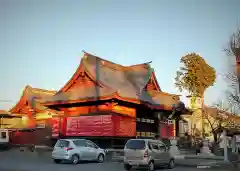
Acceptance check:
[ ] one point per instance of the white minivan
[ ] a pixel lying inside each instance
(76, 150)
(4, 138)
(147, 153)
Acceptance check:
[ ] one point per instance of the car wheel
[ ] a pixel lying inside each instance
(151, 166)
(57, 161)
(100, 158)
(127, 166)
(75, 159)
(171, 164)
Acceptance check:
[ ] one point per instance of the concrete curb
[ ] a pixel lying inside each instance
(219, 158)
(220, 165)
(193, 162)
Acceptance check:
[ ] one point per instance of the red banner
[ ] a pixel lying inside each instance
(89, 126)
(101, 125)
(124, 126)
(166, 130)
(55, 126)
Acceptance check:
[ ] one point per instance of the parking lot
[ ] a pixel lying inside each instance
(26, 161)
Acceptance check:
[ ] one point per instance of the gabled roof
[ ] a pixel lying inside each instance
(32, 97)
(113, 81)
(112, 75)
(215, 112)
(4, 112)
(115, 76)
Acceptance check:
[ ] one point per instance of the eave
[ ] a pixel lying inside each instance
(81, 68)
(156, 82)
(24, 99)
(117, 96)
(4, 112)
(20, 102)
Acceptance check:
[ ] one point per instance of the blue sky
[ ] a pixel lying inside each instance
(41, 41)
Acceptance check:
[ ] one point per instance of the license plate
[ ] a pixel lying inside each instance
(133, 163)
(134, 158)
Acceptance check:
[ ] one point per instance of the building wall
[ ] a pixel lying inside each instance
(13, 122)
(195, 124)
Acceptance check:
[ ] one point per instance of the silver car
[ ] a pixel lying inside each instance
(76, 150)
(147, 153)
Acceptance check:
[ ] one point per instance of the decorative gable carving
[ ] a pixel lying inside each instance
(82, 80)
(151, 85)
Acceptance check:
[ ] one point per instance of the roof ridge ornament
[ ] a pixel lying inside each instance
(85, 55)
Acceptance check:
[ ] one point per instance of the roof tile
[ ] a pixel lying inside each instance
(126, 81)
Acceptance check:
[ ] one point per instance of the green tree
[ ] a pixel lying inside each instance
(195, 76)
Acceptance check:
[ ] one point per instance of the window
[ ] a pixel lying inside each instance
(162, 146)
(136, 144)
(92, 145)
(62, 143)
(154, 146)
(80, 143)
(40, 125)
(149, 146)
(3, 135)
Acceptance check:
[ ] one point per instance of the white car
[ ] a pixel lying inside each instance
(147, 153)
(76, 150)
(4, 139)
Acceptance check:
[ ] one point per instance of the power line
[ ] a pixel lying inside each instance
(7, 101)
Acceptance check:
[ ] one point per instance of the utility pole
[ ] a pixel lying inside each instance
(202, 114)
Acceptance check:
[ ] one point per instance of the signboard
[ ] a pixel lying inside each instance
(101, 125)
(166, 130)
(40, 125)
(89, 126)
(124, 126)
(55, 126)
(238, 138)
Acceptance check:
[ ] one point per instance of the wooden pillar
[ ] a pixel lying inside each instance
(225, 148)
(177, 128)
(233, 143)
(174, 127)
(112, 143)
(1, 122)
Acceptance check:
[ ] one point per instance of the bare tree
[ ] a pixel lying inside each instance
(233, 76)
(219, 118)
(233, 48)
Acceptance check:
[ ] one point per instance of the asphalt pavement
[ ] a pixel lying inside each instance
(21, 161)
(83, 167)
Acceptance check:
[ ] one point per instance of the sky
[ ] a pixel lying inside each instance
(41, 41)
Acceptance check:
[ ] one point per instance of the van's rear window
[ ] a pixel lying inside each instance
(136, 144)
(62, 143)
(3, 135)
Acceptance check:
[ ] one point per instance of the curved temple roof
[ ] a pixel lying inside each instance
(116, 76)
(109, 74)
(32, 97)
(113, 80)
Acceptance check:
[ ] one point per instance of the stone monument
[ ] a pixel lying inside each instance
(174, 150)
(205, 149)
